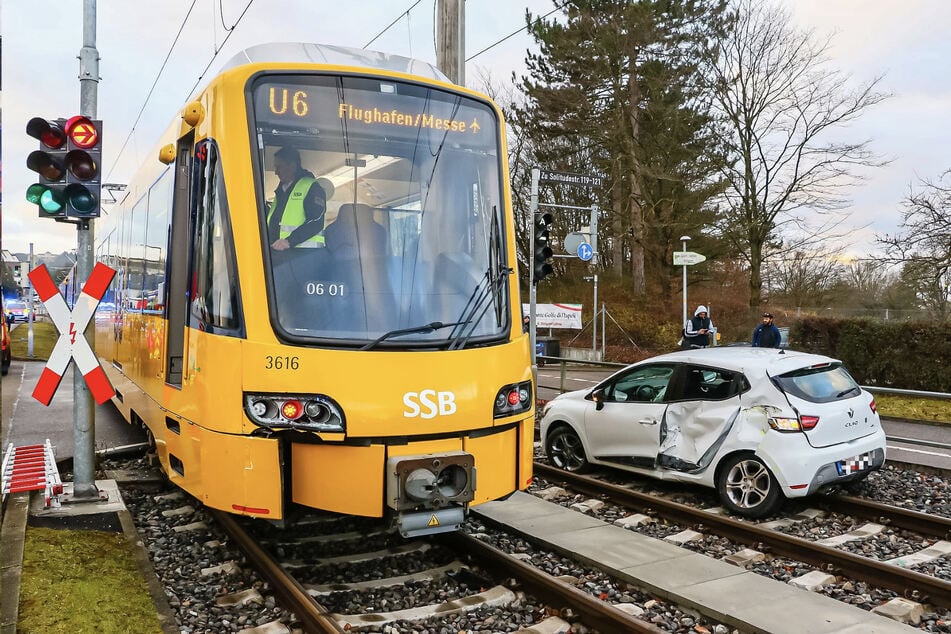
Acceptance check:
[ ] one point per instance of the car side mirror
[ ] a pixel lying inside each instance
(598, 397)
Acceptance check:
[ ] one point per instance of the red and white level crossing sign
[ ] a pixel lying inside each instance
(72, 345)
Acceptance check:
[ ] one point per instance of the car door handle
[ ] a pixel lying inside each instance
(647, 421)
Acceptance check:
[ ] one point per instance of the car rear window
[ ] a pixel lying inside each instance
(819, 384)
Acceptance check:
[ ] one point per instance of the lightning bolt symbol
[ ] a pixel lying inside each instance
(72, 332)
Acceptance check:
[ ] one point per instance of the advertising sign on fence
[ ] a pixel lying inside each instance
(556, 315)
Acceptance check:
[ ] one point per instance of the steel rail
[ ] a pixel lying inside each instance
(895, 516)
(595, 613)
(919, 442)
(906, 582)
(563, 362)
(315, 618)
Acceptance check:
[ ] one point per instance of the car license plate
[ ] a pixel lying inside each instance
(855, 464)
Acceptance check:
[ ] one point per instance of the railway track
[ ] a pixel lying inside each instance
(904, 581)
(342, 573)
(325, 569)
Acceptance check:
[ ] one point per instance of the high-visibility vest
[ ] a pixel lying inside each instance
(294, 215)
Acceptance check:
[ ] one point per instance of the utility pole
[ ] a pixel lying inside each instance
(451, 40)
(84, 414)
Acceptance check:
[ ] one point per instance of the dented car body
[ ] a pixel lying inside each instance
(759, 425)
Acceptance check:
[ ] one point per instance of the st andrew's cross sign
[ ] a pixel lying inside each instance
(72, 345)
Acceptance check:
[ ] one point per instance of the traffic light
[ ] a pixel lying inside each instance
(50, 163)
(542, 252)
(83, 167)
(68, 163)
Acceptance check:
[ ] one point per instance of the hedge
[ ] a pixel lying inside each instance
(905, 355)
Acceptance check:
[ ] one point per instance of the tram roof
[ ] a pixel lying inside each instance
(306, 53)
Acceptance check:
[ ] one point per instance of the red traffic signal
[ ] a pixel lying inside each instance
(83, 132)
(52, 134)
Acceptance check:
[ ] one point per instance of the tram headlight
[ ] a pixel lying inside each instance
(513, 399)
(306, 412)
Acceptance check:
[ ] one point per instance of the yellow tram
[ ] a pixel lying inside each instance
(376, 369)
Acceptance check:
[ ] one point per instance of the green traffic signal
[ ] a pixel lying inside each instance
(50, 201)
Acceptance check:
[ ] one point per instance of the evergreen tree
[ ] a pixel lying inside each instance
(614, 89)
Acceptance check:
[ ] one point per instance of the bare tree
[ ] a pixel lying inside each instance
(924, 246)
(869, 281)
(806, 278)
(783, 104)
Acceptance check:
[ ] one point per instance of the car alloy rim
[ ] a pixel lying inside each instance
(747, 484)
(567, 452)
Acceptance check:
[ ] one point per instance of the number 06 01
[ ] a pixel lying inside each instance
(325, 288)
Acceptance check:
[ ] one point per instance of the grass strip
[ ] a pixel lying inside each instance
(82, 582)
(45, 336)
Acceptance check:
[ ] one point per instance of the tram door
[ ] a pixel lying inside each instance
(178, 255)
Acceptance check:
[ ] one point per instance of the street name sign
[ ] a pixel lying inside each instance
(570, 178)
(687, 258)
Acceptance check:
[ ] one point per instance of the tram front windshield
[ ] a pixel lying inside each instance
(410, 248)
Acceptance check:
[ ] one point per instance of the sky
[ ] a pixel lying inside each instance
(138, 98)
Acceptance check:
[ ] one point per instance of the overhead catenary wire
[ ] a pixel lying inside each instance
(390, 25)
(514, 33)
(165, 62)
(152, 89)
(230, 31)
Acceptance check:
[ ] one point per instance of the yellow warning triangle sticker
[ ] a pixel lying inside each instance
(433, 521)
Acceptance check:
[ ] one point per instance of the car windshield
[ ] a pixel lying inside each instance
(819, 384)
(412, 247)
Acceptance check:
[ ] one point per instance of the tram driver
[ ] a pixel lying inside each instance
(296, 215)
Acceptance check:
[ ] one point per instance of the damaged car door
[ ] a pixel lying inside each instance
(705, 407)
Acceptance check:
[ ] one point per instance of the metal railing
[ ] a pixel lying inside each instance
(874, 389)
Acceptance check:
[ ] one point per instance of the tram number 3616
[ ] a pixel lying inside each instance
(274, 362)
(325, 288)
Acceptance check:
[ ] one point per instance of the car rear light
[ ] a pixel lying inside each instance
(872, 406)
(809, 422)
(788, 423)
(784, 423)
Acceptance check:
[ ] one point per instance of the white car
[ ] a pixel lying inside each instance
(758, 424)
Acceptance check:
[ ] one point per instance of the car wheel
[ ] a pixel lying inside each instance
(565, 450)
(748, 488)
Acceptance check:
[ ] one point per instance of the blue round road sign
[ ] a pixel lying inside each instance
(585, 252)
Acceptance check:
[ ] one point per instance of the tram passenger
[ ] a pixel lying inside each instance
(296, 216)
(355, 233)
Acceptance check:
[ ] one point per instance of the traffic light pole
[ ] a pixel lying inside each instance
(531, 268)
(84, 414)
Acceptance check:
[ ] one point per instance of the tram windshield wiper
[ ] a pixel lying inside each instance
(489, 291)
(430, 327)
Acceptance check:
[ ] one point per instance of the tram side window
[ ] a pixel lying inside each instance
(214, 292)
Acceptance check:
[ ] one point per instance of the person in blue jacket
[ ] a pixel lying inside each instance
(766, 334)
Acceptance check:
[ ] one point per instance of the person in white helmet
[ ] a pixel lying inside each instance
(697, 329)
